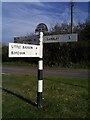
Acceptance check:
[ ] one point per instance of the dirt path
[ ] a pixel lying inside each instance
(71, 73)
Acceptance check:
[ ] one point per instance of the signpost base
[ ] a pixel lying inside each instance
(39, 99)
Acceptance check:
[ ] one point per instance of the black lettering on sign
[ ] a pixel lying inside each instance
(11, 52)
(17, 46)
(27, 47)
(69, 37)
(17, 53)
(11, 46)
(22, 53)
(53, 38)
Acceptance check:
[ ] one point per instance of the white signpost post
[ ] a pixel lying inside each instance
(28, 50)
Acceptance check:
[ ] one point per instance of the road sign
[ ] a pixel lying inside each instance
(46, 39)
(33, 39)
(24, 50)
(60, 38)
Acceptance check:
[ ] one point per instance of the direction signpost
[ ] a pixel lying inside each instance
(23, 50)
(30, 50)
(47, 39)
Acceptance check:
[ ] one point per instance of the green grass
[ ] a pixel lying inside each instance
(25, 64)
(62, 98)
(19, 63)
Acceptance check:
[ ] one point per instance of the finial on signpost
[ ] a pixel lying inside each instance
(41, 29)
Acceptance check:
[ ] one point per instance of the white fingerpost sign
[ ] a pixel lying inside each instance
(60, 38)
(23, 50)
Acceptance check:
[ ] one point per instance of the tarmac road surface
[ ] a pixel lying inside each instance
(53, 72)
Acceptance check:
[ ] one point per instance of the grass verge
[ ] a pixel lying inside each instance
(62, 98)
(25, 64)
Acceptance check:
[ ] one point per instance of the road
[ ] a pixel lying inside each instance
(59, 72)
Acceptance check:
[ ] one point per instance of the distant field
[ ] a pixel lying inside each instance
(62, 97)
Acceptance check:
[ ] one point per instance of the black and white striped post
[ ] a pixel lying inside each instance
(40, 73)
(41, 28)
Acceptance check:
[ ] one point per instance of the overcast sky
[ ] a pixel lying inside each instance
(21, 18)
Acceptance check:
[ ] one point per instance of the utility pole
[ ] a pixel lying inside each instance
(72, 5)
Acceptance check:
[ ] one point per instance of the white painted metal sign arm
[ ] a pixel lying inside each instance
(24, 50)
(60, 38)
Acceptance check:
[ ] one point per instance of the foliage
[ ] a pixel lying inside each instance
(68, 53)
(4, 53)
(62, 54)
